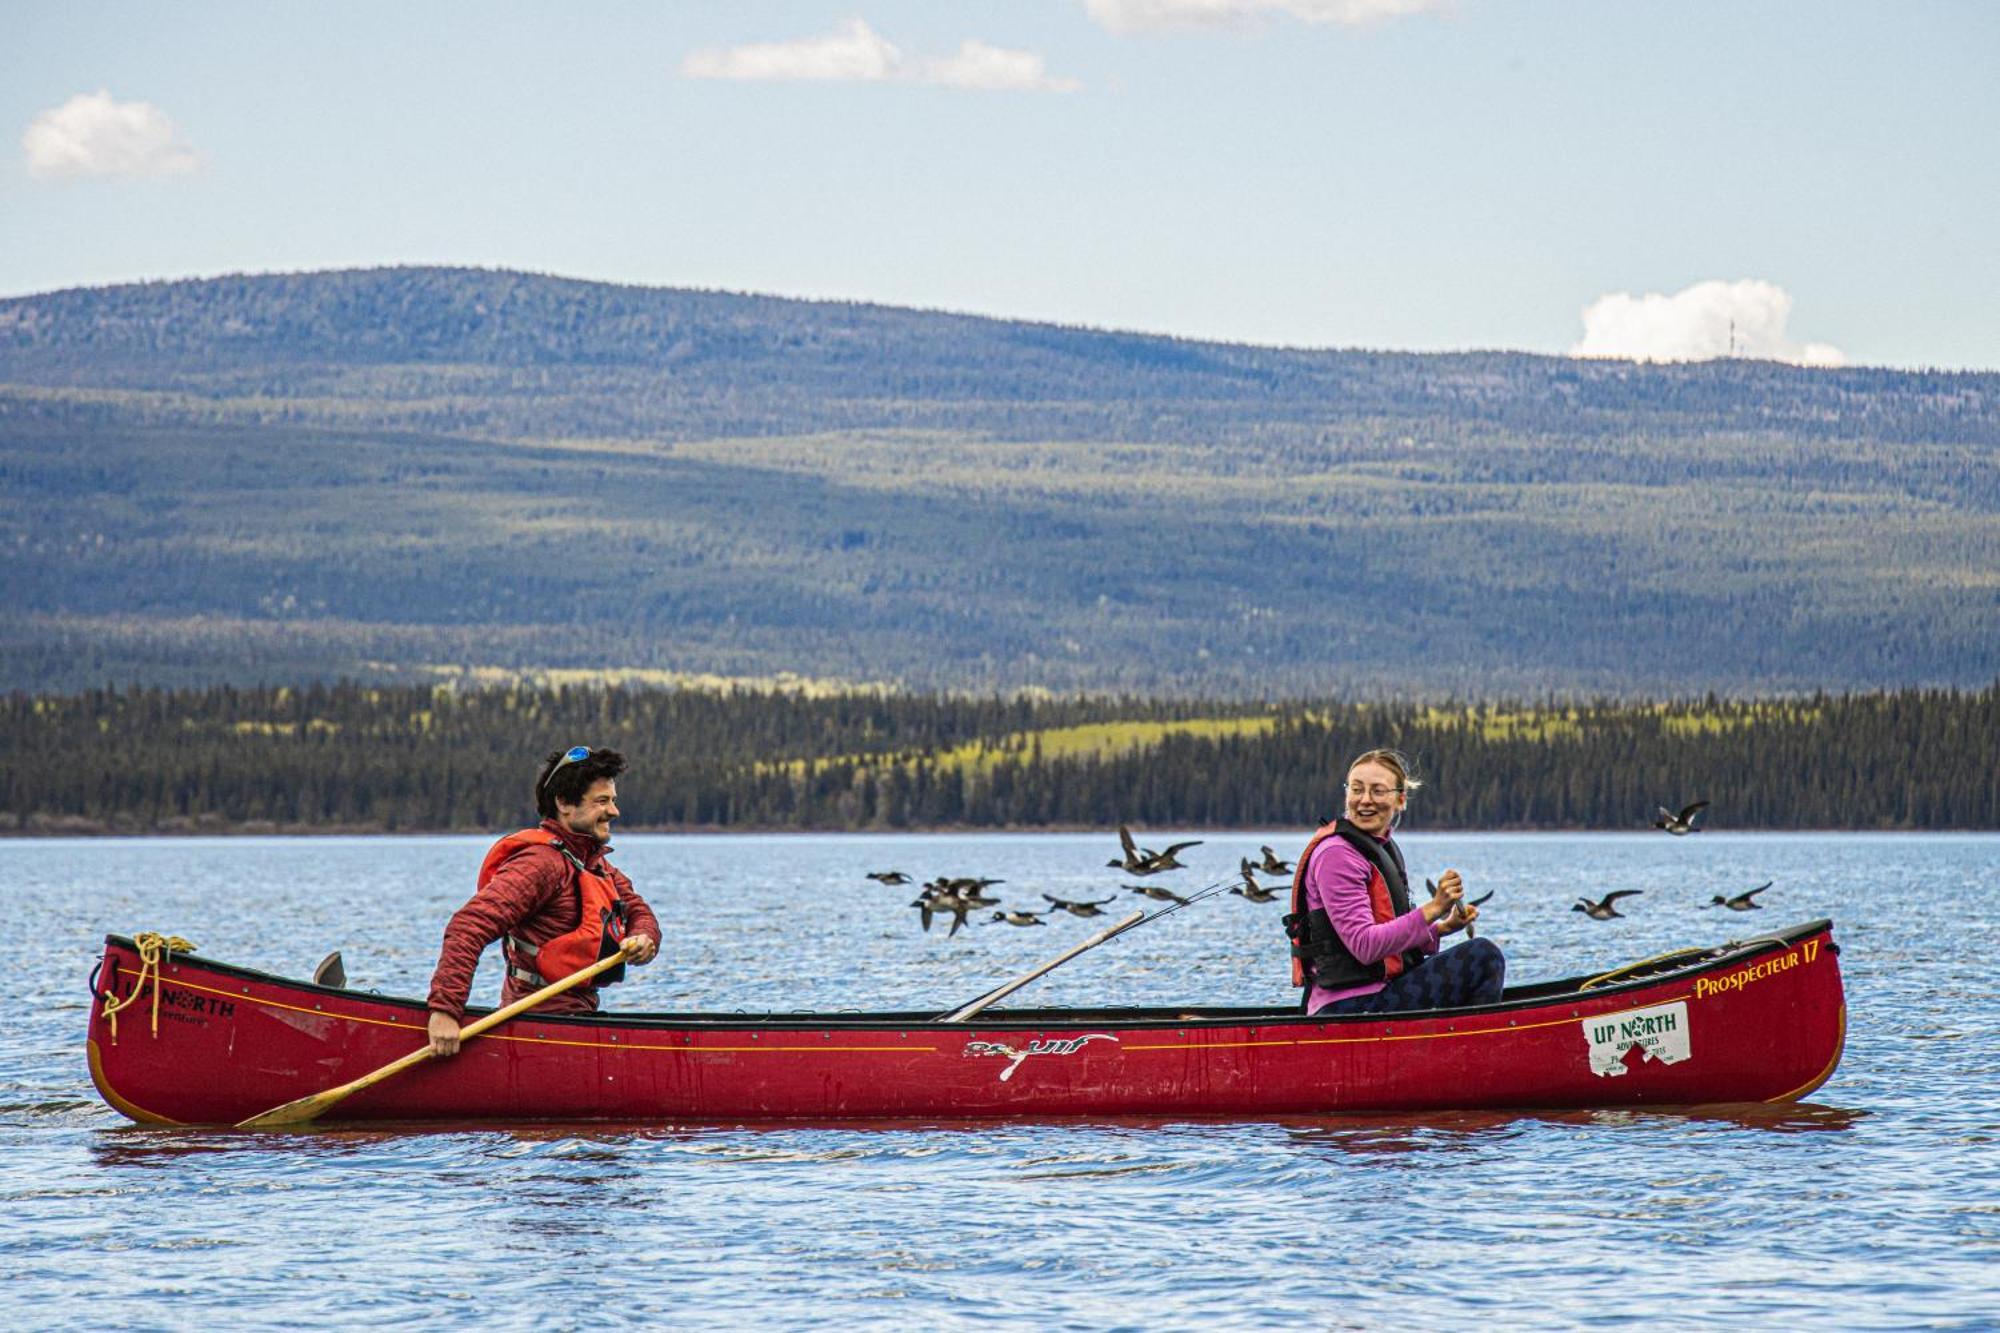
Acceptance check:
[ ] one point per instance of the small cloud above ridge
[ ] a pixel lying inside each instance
(985, 68)
(1126, 17)
(1708, 320)
(94, 134)
(856, 53)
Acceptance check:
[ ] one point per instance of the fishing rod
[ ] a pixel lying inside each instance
(1130, 923)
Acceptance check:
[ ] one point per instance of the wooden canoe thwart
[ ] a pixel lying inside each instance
(1759, 1020)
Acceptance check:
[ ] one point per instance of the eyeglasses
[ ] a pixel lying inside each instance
(1379, 793)
(575, 754)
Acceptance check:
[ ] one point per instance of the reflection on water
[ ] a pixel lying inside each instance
(1872, 1208)
(1412, 1132)
(1420, 1131)
(1792, 1118)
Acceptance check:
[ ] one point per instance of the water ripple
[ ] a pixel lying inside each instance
(1871, 1208)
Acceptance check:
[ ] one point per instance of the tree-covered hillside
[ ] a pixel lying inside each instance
(484, 350)
(408, 758)
(413, 471)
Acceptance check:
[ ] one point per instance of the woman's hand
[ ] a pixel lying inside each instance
(1461, 915)
(1450, 889)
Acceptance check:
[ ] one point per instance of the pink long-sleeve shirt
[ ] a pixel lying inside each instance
(1337, 880)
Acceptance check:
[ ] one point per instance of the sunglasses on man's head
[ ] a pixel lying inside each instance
(575, 754)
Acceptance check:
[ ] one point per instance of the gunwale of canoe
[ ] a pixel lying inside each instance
(1762, 1019)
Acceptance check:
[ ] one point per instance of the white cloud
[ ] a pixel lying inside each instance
(1132, 16)
(993, 69)
(1699, 323)
(852, 53)
(856, 53)
(94, 135)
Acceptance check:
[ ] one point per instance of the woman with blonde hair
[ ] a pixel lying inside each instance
(1358, 946)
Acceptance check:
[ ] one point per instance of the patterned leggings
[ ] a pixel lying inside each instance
(1472, 973)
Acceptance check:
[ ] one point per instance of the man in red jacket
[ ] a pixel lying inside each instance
(551, 896)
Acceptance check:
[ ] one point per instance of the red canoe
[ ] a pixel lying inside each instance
(199, 1042)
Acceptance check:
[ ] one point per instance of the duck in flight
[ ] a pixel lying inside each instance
(973, 891)
(1687, 821)
(935, 901)
(1155, 891)
(1251, 889)
(1133, 862)
(1017, 917)
(1602, 910)
(889, 877)
(1080, 908)
(1271, 865)
(1139, 860)
(1471, 927)
(1742, 902)
(1431, 884)
(1166, 860)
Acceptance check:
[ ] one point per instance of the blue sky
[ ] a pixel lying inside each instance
(1372, 173)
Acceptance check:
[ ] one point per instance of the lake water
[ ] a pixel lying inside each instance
(1876, 1205)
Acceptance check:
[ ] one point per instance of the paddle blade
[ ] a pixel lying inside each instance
(331, 972)
(310, 1108)
(298, 1112)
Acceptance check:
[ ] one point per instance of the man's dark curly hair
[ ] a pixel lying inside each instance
(571, 781)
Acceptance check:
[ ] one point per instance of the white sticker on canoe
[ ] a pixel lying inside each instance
(1622, 1042)
(1014, 1054)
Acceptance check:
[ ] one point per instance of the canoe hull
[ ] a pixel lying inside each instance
(1765, 1022)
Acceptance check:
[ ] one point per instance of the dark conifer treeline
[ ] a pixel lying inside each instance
(355, 757)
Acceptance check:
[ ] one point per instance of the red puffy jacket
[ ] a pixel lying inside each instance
(534, 896)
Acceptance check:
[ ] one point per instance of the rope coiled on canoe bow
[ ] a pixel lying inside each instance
(153, 948)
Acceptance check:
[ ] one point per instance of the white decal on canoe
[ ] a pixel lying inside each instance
(1621, 1042)
(1064, 1046)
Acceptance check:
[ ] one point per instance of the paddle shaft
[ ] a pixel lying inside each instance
(313, 1106)
(960, 1015)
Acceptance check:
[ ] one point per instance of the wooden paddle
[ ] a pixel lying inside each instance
(960, 1015)
(312, 1107)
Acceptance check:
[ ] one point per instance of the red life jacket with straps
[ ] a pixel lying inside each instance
(600, 920)
(1319, 956)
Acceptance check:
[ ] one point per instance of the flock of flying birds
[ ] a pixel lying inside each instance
(1686, 820)
(958, 897)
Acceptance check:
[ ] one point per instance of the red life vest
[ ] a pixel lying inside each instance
(600, 921)
(1317, 937)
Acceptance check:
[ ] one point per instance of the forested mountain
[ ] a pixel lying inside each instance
(469, 349)
(410, 471)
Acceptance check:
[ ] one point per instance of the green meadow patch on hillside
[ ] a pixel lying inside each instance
(1091, 740)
